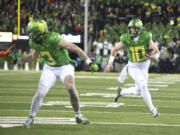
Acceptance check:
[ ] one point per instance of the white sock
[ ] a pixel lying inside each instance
(77, 114)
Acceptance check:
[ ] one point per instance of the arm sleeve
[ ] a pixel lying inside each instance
(123, 38)
(149, 36)
(2, 54)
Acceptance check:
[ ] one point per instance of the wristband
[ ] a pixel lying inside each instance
(111, 59)
(157, 56)
(88, 61)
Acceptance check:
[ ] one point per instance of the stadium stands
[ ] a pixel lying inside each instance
(107, 21)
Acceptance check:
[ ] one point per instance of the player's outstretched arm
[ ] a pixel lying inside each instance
(11, 47)
(7, 52)
(109, 67)
(74, 48)
(28, 58)
(3, 53)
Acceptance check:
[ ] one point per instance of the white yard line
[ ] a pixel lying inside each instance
(154, 85)
(62, 111)
(138, 124)
(18, 121)
(96, 77)
(115, 88)
(89, 104)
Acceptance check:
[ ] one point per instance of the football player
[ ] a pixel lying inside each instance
(7, 52)
(137, 41)
(54, 50)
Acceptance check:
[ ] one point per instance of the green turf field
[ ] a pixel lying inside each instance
(128, 117)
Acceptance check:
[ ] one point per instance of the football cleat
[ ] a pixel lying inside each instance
(80, 119)
(155, 112)
(117, 94)
(29, 122)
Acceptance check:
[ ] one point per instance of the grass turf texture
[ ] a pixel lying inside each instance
(17, 90)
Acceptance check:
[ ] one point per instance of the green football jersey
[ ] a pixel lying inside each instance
(49, 52)
(137, 49)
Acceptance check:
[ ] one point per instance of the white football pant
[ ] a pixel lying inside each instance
(139, 73)
(47, 80)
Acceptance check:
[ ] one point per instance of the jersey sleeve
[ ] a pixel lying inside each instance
(123, 38)
(2, 54)
(149, 36)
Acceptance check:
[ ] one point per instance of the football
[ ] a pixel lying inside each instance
(94, 67)
(150, 52)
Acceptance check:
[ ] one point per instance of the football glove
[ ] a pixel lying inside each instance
(92, 66)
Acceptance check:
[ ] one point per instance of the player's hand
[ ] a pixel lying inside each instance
(109, 67)
(92, 66)
(151, 57)
(150, 54)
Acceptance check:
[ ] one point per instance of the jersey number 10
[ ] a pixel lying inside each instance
(137, 53)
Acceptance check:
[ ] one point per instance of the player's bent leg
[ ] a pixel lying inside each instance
(36, 104)
(47, 80)
(38, 98)
(147, 98)
(74, 99)
(128, 91)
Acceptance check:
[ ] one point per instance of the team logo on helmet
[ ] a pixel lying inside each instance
(135, 23)
(37, 27)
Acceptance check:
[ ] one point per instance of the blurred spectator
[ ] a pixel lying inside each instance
(107, 20)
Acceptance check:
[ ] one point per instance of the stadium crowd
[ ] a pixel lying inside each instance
(107, 20)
